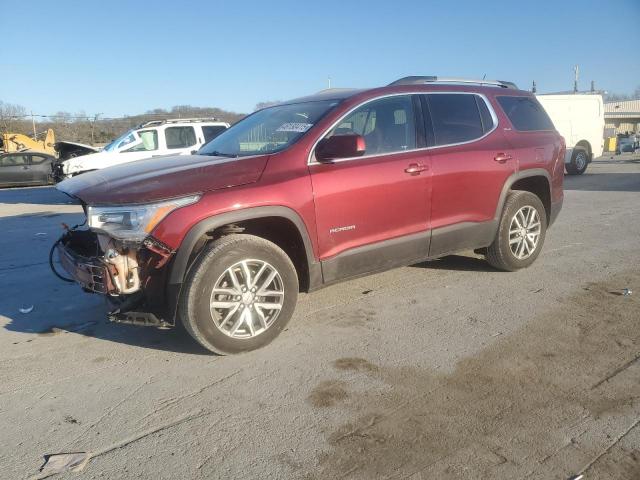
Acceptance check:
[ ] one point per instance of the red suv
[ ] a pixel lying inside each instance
(315, 191)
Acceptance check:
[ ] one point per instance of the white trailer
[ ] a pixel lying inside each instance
(579, 118)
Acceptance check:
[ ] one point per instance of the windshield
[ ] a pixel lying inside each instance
(121, 141)
(269, 130)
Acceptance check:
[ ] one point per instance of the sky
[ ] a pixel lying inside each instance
(126, 57)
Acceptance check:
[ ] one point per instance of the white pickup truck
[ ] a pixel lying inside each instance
(151, 139)
(579, 118)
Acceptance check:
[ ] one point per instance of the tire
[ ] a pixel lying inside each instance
(500, 254)
(257, 319)
(579, 162)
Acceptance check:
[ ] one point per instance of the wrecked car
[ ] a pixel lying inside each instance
(311, 192)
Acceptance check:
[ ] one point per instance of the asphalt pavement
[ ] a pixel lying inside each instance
(446, 369)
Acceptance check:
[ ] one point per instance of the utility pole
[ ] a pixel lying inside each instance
(33, 123)
(93, 124)
(576, 74)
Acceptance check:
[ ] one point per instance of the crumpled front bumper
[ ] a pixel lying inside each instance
(132, 277)
(90, 273)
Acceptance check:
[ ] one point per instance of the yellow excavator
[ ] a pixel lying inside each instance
(17, 142)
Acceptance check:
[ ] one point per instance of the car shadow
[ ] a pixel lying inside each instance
(457, 262)
(35, 302)
(35, 196)
(91, 322)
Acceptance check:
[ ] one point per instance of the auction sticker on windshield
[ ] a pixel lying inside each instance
(294, 127)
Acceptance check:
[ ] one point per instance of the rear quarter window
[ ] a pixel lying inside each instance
(525, 113)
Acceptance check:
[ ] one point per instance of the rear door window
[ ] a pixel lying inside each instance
(180, 137)
(455, 118)
(212, 131)
(485, 115)
(37, 159)
(525, 113)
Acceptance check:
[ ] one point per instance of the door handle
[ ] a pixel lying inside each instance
(415, 169)
(502, 157)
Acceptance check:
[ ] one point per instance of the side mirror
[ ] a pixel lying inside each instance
(193, 152)
(340, 146)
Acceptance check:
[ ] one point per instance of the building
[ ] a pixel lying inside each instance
(622, 117)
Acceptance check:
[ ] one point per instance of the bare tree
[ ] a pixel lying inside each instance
(83, 128)
(11, 115)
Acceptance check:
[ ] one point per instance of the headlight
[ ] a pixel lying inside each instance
(133, 222)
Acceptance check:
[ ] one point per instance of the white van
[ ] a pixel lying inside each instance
(159, 137)
(579, 118)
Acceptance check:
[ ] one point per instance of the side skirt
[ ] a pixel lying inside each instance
(403, 251)
(462, 236)
(377, 257)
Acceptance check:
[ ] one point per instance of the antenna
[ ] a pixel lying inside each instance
(576, 75)
(534, 88)
(328, 82)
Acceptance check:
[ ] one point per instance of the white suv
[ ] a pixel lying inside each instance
(152, 139)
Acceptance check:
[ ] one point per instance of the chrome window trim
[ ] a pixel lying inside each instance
(311, 157)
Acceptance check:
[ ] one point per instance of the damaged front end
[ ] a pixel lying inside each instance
(131, 275)
(116, 256)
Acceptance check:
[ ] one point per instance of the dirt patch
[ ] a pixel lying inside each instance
(355, 364)
(70, 419)
(328, 393)
(526, 396)
(360, 318)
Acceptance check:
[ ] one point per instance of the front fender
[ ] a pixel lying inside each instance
(180, 263)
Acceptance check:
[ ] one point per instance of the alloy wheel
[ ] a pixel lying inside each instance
(524, 232)
(247, 298)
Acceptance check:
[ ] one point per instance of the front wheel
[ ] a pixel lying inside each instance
(521, 232)
(579, 162)
(239, 295)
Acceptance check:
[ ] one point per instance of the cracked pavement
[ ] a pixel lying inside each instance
(446, 369)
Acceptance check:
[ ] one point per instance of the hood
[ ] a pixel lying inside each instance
(160, 178)
(68, 149)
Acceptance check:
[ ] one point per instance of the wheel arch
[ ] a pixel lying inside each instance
(285, 228)
(585, 145)
(536, 181)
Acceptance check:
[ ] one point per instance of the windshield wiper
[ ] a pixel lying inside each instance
(216, 153)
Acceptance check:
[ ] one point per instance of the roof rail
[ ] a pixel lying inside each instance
(177, 120)
(419, 80)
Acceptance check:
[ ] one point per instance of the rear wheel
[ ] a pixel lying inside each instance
(579, 162)
(239, 295)
(520, 234)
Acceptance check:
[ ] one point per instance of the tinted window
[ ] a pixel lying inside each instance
(12, 160)
(485, 115)
(149, 141)
(212, 131)
(455, 118)
(180, 137)
(386, 124)
(38, 159)
(525, 113)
